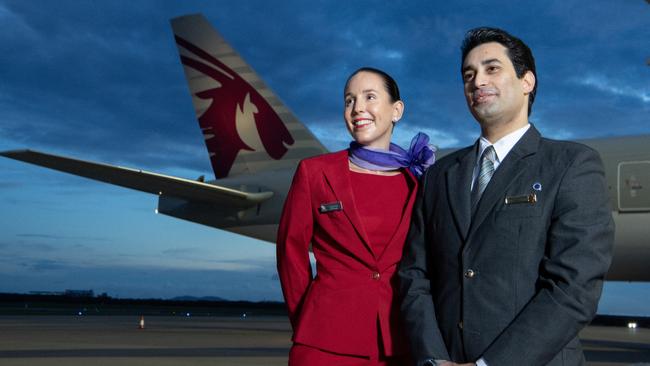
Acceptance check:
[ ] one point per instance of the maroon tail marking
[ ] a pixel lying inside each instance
(220, 116)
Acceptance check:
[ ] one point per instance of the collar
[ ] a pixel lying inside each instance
(503, 146)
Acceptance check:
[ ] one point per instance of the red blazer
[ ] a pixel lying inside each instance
(355, 288)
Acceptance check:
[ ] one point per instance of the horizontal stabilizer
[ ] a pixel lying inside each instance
(144, 181)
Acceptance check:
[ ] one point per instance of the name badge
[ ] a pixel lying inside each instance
(329, 207)
(524, 198)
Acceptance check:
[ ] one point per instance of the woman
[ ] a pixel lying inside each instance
(354, 208)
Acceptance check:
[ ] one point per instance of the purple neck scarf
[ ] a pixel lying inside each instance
(417, 159)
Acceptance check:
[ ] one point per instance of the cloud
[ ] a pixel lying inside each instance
(613, 87)
(144, 282)
(123, 99)
(598, 22)
(4, 185)
(557, 133)
(200, 257)
(83, 80)
(333, 136)
(61, 237)
(442, 139)
(91, 88)
(184, 252)
(393, 54)
(21, 247)
(46, 265)
(13, 26)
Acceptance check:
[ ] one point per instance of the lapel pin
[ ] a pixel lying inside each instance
(537, 186)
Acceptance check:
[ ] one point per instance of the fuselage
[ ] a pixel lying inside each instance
(627, 168)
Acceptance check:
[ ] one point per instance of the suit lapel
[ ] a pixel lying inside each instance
(459, 180)
(337, 176)
(510, 168)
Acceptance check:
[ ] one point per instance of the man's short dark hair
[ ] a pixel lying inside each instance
(519, 54)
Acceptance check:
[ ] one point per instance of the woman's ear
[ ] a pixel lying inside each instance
(398, 110)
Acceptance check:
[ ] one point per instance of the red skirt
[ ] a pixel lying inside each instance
(302, 355)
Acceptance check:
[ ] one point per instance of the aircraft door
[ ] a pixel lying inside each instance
(634, 186)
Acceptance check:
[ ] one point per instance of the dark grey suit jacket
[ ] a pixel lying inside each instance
(512, 283)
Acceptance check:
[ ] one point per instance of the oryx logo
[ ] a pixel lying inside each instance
(232, 107)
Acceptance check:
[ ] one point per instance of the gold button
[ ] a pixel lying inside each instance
(470, 273)
(375, 275)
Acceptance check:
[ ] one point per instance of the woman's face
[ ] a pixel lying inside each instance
(369, 111)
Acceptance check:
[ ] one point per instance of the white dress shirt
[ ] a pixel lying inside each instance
(502, 147)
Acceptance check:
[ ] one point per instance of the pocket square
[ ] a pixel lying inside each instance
(524, 198)
(329, 207)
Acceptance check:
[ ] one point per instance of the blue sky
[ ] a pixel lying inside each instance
(101, 80)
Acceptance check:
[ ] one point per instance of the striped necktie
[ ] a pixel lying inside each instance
(486, 170)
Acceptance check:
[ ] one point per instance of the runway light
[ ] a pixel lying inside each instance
(80, 313)
(631, 325)
(187, 314)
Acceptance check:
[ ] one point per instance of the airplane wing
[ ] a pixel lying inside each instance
(141, 180)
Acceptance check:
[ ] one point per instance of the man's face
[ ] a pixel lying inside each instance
(493, 92)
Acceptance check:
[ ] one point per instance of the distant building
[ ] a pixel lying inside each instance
(46, 293)
(79, 293)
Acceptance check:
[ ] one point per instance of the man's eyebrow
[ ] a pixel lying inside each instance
(490, 61)
(467, 68)
(484, 62)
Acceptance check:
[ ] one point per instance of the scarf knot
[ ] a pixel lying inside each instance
(417, 158)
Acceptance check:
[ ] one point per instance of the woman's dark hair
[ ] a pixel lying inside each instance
(519, 54)
(389, 82)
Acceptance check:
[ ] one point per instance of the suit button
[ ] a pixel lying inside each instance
(375, 275)
(460, 325)
(470, 273)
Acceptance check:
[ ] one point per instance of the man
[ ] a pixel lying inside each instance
(510, 238)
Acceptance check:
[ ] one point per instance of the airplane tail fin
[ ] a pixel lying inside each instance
(246, 127)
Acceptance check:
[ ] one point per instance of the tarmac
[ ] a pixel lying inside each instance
(231, 341)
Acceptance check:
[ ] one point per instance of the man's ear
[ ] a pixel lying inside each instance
(528, 82)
